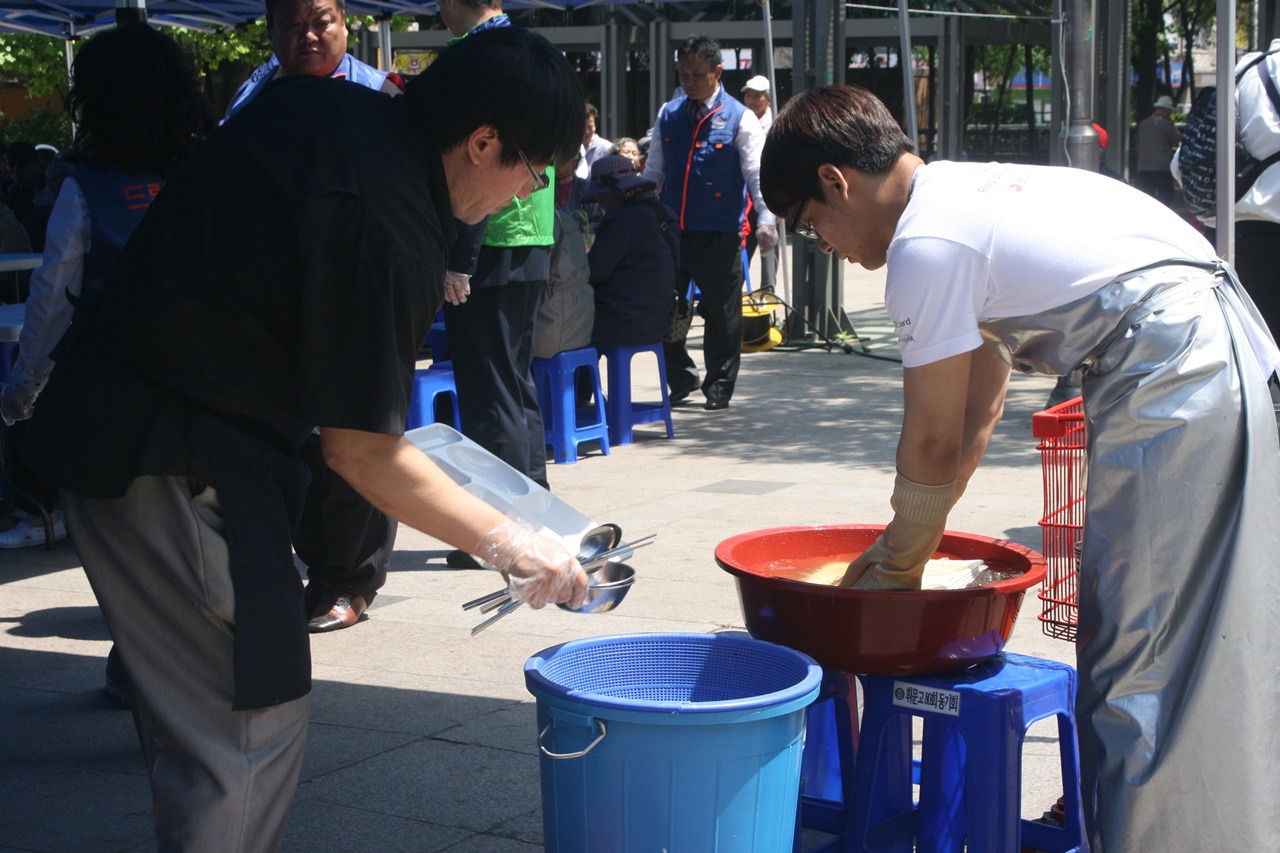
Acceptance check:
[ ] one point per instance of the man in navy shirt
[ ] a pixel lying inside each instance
(281, 282)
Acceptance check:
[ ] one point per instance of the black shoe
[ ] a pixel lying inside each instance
(681, 395)
(461, 560)
(116, 685)
(716, 405)
(337, 609)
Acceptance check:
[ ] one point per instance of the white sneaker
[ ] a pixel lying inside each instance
(29, 532)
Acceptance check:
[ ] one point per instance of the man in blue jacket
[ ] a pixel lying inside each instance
(310, 37)
(705, 158)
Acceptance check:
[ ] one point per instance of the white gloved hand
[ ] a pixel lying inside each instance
(766, 238)
(14, 404)
(457, 287)
(539, 570)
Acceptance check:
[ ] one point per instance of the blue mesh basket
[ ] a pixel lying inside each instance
(683, 673)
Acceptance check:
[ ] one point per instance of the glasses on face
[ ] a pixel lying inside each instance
(804, 229)
(540, 179)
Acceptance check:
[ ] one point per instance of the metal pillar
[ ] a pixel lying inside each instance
(1113, 82)
(951, 78)
(131, 10)
(613, 74)
(908, 73)
(661, 77)
(384, 44)
(1082, 140)
(1057, 151)
(1226, 95)
(818, 59)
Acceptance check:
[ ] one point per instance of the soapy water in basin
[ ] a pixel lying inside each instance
(938, 573)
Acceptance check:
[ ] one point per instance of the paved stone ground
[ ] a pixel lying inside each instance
(423, 737)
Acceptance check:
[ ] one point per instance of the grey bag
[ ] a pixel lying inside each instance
(568, 310)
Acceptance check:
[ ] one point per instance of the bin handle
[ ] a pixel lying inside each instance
(549, 754)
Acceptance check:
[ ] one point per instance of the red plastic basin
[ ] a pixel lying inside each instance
(876, 632)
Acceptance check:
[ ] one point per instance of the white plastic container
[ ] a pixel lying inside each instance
(499, 485)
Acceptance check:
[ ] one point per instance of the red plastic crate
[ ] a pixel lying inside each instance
(1061, 432)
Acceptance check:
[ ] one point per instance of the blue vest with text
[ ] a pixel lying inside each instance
(116, 202)
(703, 179)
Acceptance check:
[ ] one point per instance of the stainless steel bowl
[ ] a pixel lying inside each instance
(598, 540)
(609, 585)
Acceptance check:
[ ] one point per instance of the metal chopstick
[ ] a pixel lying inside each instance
(485, 599)
(502, 611)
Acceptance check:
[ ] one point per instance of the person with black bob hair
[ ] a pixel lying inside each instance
(139, 111)
(282, 282)
(995, 266)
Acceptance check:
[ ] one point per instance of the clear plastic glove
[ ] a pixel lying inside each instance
(896, 559)
(457, 287)
(539, 570)
(14, 404)
(766, 238)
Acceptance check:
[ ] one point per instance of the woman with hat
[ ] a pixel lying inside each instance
(1157, 139)
(634, 257)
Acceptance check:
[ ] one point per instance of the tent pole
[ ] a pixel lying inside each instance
(781, 248)
(1226, 95)
(908, 77)
(131, 10)
(384, 43)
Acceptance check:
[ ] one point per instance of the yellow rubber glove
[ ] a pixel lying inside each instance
(896, 559)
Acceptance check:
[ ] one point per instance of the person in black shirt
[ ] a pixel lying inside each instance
(281, 282)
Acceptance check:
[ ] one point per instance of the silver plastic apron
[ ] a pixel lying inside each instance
(1179, 641)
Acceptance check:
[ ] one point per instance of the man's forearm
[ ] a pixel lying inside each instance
(403, 482)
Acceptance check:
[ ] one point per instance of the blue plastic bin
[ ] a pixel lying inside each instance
(688, 743)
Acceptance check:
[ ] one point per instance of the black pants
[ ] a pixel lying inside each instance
(491, 347)
(713, 259)
(343, 540)
(1158, 184)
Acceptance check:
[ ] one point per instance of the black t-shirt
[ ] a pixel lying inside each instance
(285, 278)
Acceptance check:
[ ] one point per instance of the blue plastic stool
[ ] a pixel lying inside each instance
(565, 424)
(970, 773)
(438, 341)
(621, 411)
(425, 403)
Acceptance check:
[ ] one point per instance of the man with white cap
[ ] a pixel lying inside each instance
(1157, 139)
(755, 94)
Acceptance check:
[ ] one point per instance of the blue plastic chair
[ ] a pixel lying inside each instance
(566, 424)
(623, 413)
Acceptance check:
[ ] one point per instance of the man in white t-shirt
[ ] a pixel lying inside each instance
(1049, 270)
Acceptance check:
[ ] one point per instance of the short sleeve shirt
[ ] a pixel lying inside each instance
(981, 241)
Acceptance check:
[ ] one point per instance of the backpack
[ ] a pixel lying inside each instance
(1198, 155)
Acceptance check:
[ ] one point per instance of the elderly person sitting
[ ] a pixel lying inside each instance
(634, 256)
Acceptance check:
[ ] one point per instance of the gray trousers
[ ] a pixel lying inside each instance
(221, 780)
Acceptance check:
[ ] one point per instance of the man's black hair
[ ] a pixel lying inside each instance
(703, 47)
(506, 77)
(840, 125)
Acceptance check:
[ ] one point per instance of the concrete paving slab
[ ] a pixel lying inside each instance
(424, 737)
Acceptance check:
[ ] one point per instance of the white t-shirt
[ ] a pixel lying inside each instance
(981, 241)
